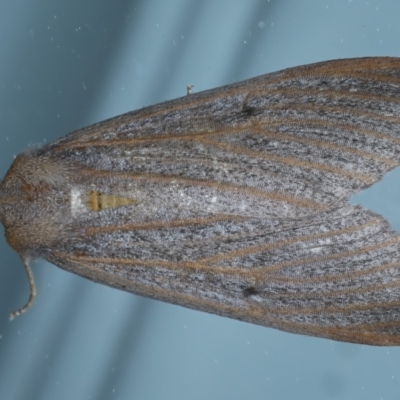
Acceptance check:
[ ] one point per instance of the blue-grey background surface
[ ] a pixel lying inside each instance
(66, 64)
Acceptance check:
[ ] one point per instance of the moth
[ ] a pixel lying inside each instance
(232, 201)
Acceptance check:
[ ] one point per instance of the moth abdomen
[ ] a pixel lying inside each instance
(100, 201)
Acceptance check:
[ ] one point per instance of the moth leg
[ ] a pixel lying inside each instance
(32, 287)
(189, 89)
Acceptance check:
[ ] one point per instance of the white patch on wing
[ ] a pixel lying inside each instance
(77, 207)
(316, 250)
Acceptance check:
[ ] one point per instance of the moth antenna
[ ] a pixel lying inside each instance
(32, 287)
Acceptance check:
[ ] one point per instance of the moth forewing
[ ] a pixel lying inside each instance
(231, 201)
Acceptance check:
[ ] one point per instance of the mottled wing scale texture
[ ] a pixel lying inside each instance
(232, 201)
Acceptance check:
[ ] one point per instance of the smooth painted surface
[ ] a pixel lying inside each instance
(64, 65)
